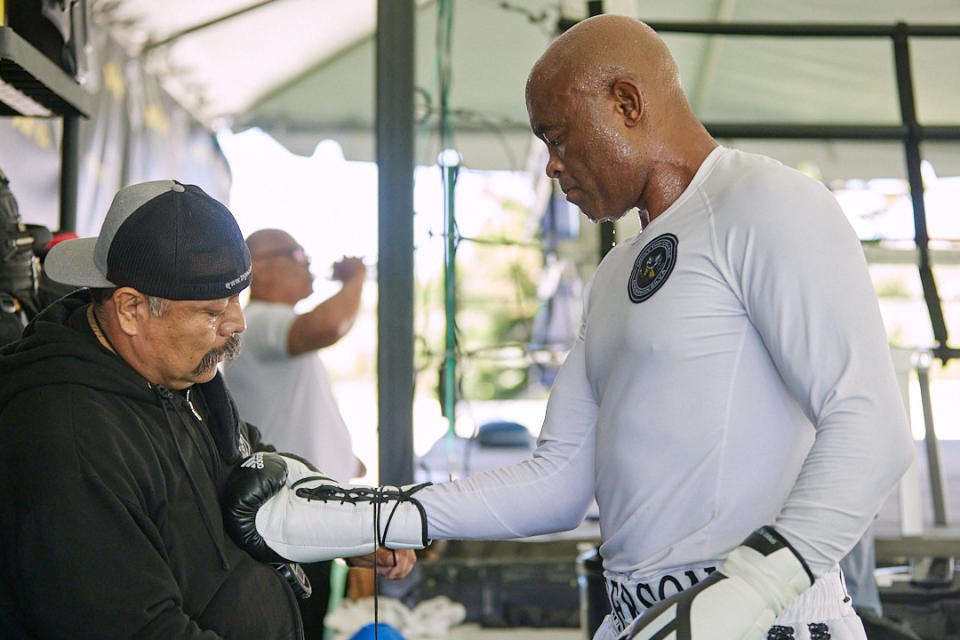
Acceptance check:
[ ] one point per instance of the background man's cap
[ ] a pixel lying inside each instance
(162, 238)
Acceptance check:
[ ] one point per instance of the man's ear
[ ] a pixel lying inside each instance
(628, 101)
(129, 304)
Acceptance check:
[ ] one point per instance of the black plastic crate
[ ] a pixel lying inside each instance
(502, 585)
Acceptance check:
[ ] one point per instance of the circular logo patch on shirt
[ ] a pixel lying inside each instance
(652, 267)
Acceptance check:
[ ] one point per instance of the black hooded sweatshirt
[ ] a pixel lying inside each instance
(110, 522)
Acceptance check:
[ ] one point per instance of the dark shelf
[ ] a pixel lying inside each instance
(37, 78)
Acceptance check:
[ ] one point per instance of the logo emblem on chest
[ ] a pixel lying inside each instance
(652, 267)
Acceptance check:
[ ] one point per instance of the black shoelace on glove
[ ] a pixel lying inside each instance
(378, 497)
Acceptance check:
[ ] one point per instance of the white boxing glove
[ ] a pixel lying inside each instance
(739, 601)
(277, 507)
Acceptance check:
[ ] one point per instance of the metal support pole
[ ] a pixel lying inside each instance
(932, 446)
(932, 570)
(449, 162)
(395, 162)
(449, 289)
(69, 172)
(911, 144)
(450, 166)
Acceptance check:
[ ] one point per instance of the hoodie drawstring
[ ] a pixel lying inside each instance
(167, 397)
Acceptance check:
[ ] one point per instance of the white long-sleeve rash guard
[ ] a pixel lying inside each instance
(732, 371)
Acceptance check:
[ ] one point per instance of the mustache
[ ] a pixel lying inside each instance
(229, 351)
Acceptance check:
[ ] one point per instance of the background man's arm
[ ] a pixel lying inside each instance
(331, 319)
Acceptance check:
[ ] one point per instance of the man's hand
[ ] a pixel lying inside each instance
(349, 267)
(392, 565)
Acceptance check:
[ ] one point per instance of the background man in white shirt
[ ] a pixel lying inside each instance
(279, 380)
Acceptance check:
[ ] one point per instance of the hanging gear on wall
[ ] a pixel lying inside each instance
(19, 267)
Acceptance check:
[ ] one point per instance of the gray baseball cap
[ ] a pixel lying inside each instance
(162, 238)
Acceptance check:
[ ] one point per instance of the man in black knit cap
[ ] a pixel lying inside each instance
(119, 436)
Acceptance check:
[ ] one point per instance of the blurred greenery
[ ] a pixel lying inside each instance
(496, 276)
(892, 288)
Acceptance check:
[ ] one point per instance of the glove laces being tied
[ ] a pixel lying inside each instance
(378, 496)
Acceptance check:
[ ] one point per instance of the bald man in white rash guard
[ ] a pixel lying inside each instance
(730, 401)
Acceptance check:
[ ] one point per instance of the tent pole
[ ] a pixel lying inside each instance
(395, 162)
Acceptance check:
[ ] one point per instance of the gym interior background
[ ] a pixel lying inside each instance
(409, 145)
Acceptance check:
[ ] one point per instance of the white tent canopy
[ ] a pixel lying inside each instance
(304, 71)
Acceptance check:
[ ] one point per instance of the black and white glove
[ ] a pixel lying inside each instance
(739, 601)
(278, 509)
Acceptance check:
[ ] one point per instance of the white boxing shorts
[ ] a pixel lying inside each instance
(822, 612)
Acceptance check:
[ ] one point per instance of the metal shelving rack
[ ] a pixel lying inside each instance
(32, 85)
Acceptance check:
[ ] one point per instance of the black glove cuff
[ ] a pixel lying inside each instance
(766, 540)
